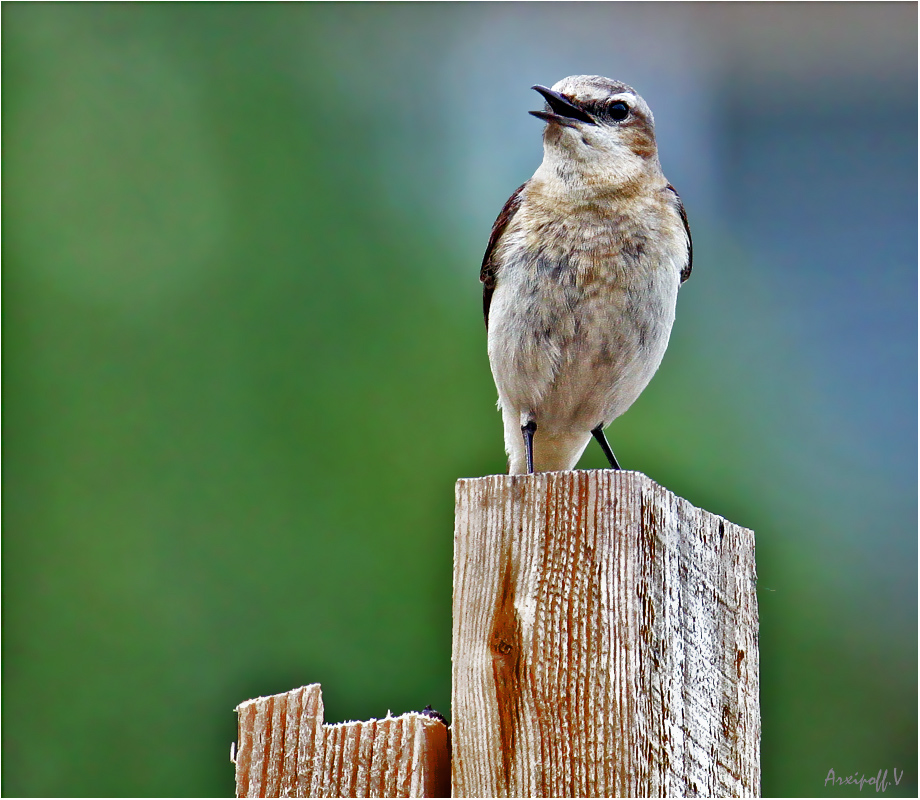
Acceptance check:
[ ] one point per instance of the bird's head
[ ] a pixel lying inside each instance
(598, 130)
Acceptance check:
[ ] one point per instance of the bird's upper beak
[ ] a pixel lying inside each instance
(564, 111)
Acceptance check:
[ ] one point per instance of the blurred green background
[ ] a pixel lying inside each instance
(244, 359)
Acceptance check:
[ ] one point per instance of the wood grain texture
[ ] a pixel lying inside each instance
(604, 641)
(285, 750)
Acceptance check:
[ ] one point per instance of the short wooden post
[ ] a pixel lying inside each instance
(604, 641)
(285, 750)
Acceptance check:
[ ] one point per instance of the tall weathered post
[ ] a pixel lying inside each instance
(604, 641)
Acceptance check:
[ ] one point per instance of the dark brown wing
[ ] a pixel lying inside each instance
(489, 266)
(685, 272)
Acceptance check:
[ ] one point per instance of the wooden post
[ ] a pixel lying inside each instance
(604, 641)
(285, 750)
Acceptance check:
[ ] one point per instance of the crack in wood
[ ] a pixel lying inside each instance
(506, 668)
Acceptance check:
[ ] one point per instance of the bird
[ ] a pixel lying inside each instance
(581, 274)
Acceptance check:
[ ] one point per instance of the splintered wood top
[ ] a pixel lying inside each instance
(285, 750)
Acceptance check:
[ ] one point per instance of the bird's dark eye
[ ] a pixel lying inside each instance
(618, 111)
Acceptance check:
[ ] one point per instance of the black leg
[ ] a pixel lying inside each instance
(528, 430)
(598, 434)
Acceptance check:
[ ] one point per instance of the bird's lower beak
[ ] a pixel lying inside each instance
(563, 111)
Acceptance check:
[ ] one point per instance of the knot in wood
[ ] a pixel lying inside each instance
(502, 647)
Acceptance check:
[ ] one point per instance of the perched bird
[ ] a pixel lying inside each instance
(580, 275)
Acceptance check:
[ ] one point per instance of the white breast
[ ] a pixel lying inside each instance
(576, 334)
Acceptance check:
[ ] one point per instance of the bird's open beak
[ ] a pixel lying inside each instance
(564, 111)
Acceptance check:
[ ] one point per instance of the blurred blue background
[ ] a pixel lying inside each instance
(244, 359)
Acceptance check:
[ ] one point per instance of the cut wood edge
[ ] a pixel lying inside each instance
(286, 750)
